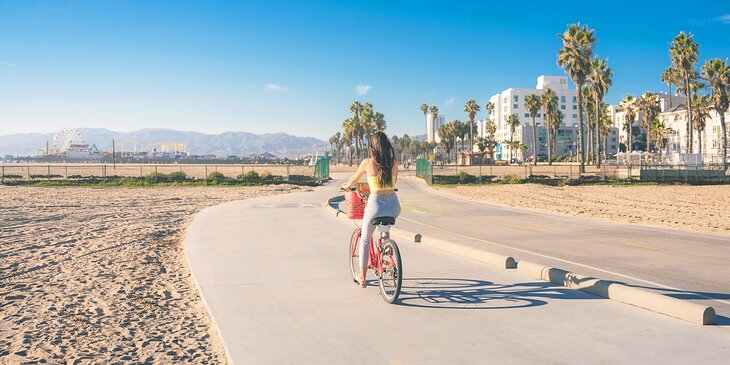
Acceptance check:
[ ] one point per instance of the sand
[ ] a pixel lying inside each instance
(693, 208)
(100, 275)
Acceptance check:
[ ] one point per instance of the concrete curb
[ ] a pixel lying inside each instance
(677, 308)
(217, 329)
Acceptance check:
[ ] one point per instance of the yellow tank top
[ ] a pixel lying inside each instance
(373, 183)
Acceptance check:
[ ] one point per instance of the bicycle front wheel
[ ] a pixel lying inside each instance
(355, 254)
(391, 271)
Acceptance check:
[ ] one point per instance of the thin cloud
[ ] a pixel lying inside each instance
(8, 64)
(362, 89)
(275, 88)
(450, 101)
(725, 19)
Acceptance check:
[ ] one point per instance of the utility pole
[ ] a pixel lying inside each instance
(114, 158)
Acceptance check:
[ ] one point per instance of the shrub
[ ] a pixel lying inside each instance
(156, 177)
(511, 179)
(251, 176)
(216, 176)
(177, 176)
(266, 176)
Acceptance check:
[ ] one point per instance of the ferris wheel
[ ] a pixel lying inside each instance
(66, 137)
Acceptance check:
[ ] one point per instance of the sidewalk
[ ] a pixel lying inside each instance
(275, 275)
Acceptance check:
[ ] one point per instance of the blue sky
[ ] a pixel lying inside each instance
(295, 66)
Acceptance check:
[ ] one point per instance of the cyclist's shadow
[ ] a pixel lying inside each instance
(451, 293)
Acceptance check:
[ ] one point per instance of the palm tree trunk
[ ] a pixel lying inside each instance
(534, 142)
(511, 139)
(581, 139)
(598, 135)
(724, 140)
(471, 136)
(549, 145)
(688, 99)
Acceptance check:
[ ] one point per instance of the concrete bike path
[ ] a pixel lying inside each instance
(681, 264)
(274, 274)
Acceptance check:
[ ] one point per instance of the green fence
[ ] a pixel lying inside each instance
(424, 170)
(322, 169)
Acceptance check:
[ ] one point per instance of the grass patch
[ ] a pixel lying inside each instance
(149, 181)
(466, 179)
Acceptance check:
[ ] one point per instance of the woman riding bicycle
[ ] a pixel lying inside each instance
(382, 172)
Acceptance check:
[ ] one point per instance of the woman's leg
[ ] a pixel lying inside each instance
(367, 234)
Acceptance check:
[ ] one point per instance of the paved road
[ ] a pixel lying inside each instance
(274, 273)
(676, 263)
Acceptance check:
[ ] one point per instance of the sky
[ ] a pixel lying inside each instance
(296, 66)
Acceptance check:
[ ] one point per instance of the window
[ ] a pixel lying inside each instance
(516, 105)
(575, 99)
(575, 107)
(575, 115)
(527, 115)
(517, 98)
(538, 115)
(562, 106)
(613, 139)
(562, 99)
(575, 124)
(527, 124)
(538, 124)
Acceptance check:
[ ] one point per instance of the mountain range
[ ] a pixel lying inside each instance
(224, 144)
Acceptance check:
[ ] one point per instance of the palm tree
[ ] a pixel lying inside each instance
(471, 109)
(379, 121)
(717, 74)
(590, 122)
(659, 132)
(600, 79)
(513, 121)
(556, 120)
(406, 140)
(446, 136)
(604, 125)
(533, 105)
(575, 59)
(356, 109)
(549, 103)
(648, 105)
(701, 114)
(670, 77)
(683, 51)
(348, 136)
(459, 130)
(629, 106)
(424, 110)
(490, 130)
(334, 144)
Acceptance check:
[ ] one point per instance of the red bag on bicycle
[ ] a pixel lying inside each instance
(355, 205)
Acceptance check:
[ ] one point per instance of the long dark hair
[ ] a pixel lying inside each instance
(384, 155)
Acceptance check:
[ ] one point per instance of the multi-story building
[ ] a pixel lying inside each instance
(676, 119)
(618, 114)
(432, 127)
(512, 101)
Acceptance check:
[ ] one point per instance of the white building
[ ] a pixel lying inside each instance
(512, 101)
(618, 115)
(676, 119)
(432, 127)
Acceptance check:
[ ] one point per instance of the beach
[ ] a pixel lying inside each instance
(703, 209)
(100, 275)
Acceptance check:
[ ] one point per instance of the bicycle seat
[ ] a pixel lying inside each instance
(383, 221)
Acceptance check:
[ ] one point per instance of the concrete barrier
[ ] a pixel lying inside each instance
(688, 311)
(505, 262)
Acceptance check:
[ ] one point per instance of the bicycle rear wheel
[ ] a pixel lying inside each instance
(355, 254)
(391, 271)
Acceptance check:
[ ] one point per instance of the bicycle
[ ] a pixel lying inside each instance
(384, 256)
